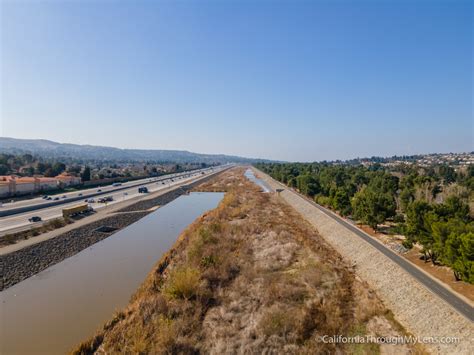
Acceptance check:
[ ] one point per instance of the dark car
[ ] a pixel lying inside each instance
(49, 198)
(45, 197)
(99, 190)
(79, 195)
(56, 199)
(34, 219)
(105, 199)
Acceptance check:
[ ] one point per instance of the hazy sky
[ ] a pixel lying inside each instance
(291, 80)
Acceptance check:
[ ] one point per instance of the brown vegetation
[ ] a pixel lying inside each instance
(53, 224)
(250, 276)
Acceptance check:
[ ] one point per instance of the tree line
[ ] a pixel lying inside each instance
(30, 165)
(427, 205)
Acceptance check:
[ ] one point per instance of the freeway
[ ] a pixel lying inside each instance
(38, 203)
(18, 222)
(450, 297)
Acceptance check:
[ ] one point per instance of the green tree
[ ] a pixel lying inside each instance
(453, 207)
(416, 228)
(27, 158)
(460, 255)
(41, 167)
(86, 174)
(373, 208)
(308, 185)
(292, 181)
(447, 173)
(3, 169)
(29, 171)
(58, 168)
(407, 195)
(341, 202)
(49, 173)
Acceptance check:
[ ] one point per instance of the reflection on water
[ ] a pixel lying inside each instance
(58, 308)
(251, 176)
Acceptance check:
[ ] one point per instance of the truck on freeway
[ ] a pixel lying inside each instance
(75, 210)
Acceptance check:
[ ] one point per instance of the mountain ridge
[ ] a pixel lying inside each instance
(51, 149)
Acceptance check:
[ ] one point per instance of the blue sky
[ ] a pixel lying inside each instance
(290, 80)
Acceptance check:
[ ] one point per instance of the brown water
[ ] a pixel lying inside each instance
(63, 305)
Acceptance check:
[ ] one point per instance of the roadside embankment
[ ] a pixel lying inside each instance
(250, 276)
(415, 307)
(28, 261)
(20, 265)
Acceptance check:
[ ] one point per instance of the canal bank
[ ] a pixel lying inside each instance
(67, 302)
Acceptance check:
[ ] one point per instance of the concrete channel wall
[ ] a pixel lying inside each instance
(415, 307)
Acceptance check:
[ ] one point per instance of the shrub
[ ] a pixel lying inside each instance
(215, 227)
(56, 223)
(35, 232)
(209, 260)
(408, 243)
(276, 322)
(183, 283)
(399, 218)
(323, 200)
(9, 238)
(206, 236)
(167, 335)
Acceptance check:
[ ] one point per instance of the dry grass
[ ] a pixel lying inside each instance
(183, 283)
(53, 224)
(250, 276)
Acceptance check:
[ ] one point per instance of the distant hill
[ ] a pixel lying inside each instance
(50, 149)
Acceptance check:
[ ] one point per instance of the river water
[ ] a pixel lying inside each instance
(63, 305)
(262, 184)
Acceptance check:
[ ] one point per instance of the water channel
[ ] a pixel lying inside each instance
(249, 174)
(63, 305)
